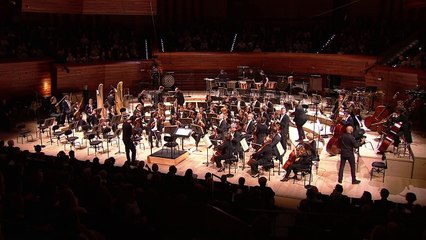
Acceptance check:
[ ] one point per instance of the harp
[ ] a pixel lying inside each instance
(119, 99)
(100, 100)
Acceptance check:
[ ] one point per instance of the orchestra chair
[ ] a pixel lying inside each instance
(94, 143)
(379, 167)
(87, 129)
(233, 161)
(403, 149)
(23, 132)
(116, 135)
(170, 142)
(108, 137)
(307, 170)
(71, 140)
(268, 167)
(57, 133)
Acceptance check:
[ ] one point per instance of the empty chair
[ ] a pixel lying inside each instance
(57, 133)
(94, 143)
(379, 168)
(107, 137)
(170, 142)
(70, 139)
(23, 132)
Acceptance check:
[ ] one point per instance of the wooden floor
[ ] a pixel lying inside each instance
(398, 178)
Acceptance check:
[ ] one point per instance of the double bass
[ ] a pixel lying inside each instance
(380, 113)
(333, 145)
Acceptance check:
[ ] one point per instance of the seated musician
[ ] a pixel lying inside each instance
(262, 156)
(236, 138)
(90, 111)
(155, 127)
(339, 105)
(220, 130)
(255, 103)
(55, 110)
(261, 130)
(240, 103)
(303, 159)
(400, 119)
(200, 121)
(275, 140)
(226, 150)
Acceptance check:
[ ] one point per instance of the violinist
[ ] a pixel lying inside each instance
(155, 127)
(261, 157)
(226, 150)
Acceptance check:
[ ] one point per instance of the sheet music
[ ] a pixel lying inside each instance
(280, 149)
(206, 140)
(244, 144)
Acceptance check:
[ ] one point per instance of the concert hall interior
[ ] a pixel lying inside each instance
(213, 119)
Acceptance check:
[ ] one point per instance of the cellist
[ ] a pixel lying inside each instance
(225, 150)
(261, 157)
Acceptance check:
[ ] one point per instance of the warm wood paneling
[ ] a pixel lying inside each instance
(109, 74)
(25, 79)
(52, 6)
(122, 7)
(206, 64)
(391, 80)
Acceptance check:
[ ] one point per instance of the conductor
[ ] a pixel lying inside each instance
(348, 146)
(127, 140)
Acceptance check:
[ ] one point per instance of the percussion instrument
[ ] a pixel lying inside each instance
(243, 85)
(231, 84)
(271, 85)
(258, 85)
(209, 83)
(168, 80)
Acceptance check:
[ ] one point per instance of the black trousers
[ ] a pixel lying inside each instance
(351, 160)
(130, 146)
(300, 131)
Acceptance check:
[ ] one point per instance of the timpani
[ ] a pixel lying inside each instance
(258, 85)
(243, 85)
(270, 85)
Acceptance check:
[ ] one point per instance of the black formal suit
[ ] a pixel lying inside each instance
(263, 156)
(275, 141)
(180, 98)
(262, 131)
(250, 127)
(255, 104)
(237, 137)
(300, 119)
(240, 104)
(158, 97)
(227, 150)
(347, 145)
(128, 143)
(284, 124)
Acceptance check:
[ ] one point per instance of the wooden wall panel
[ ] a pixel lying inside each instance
(25, 79)
(52, 6)
(108, 74)
(209, 64)
(122, 7)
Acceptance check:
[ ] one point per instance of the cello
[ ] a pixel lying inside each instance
(380, 113)
(255, 156)
(298, 151)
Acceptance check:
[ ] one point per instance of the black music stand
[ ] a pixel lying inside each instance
(186, 121)
(198, 130)
(209, 144)
(183, 133)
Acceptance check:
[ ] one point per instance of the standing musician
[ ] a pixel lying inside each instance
(200, 121)
(179, 97)
(158, 96)
(263, 79)
(67, 109)
(348, 144)
(155, 75)
(220, 130)
(284, 126)
(338, 106)
(127, 140)
(300, 119)
(261, 157)
(226, 150)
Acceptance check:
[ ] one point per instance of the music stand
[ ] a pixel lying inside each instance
(48, 122)
(186, 121)
(245, 147)
(182, 133)
(198, 130)
(208, 143)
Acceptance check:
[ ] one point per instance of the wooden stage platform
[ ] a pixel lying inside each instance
(403, 175)
(168, 157)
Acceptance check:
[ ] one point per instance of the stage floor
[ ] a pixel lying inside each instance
(288, 194)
